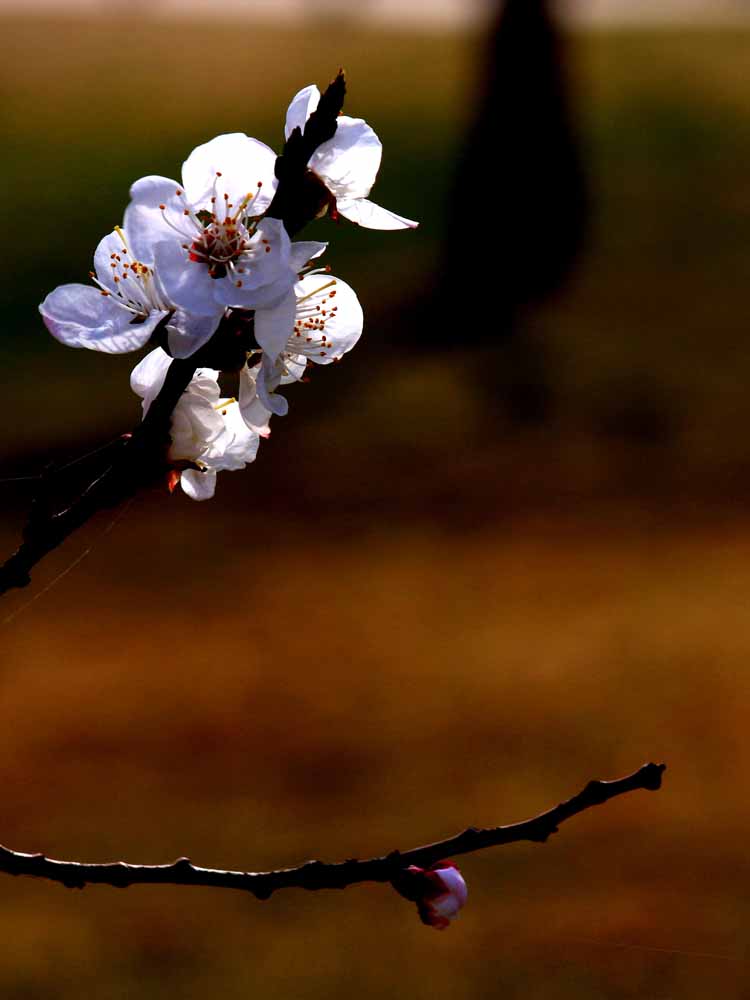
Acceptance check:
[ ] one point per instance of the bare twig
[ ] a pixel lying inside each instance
(319, 875)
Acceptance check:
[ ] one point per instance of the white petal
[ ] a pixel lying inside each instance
(302, 106)
(196, 426)
(242, 444)
(268, 382)
(455, 885)
(349, 162)
(186, 333)
(111, 244)
(302, 252)
(147, 378)
(274, 326)
(295, 366)
(371, 216)
(144, 221)
(317, 293)
(186, 283)
(82, 316)
(232, 164)
(198, 485)
(255, 415)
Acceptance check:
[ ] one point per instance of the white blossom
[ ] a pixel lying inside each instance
(129, 301)
(327, 323)
(208, 431)
(347, 164)
(209, 239)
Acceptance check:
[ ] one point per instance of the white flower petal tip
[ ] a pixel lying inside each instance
(301, 107)
(368, 215)
(347, 164)
(439, 892)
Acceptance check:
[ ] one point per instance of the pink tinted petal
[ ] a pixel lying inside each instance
(428, 915)
(454, 883)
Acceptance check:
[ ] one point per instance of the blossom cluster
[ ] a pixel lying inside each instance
(193, 255)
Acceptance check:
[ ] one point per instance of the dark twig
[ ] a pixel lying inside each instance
(124, 466)
(318, 875)
(300, 196)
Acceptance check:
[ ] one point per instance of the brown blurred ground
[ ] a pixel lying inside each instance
(409, 615)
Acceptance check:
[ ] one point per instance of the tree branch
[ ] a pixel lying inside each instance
(134, 460)
(315, 875)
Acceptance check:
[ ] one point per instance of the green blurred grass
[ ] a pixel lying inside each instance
(368, 639)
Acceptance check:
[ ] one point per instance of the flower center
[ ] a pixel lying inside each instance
(219, 236)
(314, 311)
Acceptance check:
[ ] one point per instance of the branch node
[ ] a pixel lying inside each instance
(651, 774)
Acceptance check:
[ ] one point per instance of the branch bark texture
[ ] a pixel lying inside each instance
(315, 875)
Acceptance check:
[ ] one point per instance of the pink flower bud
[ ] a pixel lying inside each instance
(439, 892)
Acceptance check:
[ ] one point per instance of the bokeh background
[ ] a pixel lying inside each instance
(430, 602)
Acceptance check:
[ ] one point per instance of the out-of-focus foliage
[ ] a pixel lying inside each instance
(409, 615)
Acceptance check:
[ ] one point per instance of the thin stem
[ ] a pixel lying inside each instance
(314, 875)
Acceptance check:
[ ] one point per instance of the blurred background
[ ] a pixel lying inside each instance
(500, 550)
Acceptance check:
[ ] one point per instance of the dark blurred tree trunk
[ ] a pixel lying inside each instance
(519, 206)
